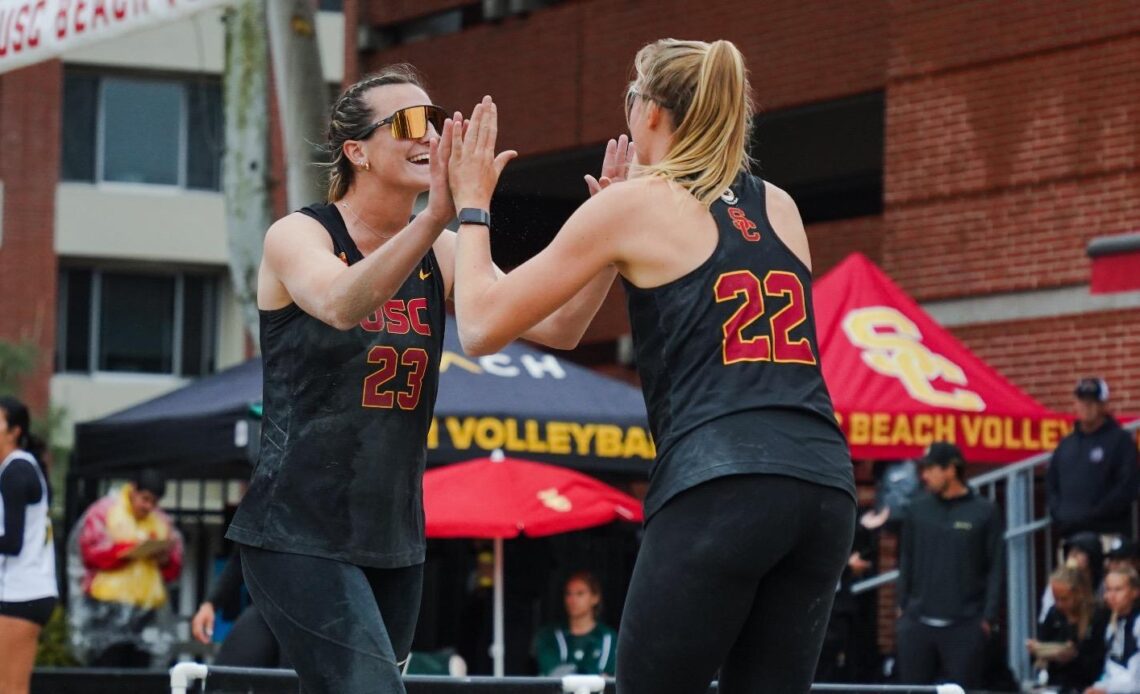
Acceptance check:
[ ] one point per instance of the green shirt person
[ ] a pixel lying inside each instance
(581, 645)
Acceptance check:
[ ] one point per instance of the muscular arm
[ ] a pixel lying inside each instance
(19, 487)
(563, 328)
(573, 269)
(299, 266)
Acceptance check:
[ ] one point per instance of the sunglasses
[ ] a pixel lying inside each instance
(409, 123)
(630, 97)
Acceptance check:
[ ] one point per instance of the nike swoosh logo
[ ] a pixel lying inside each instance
(424, 275)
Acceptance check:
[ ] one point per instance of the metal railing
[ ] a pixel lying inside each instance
(1015, 485)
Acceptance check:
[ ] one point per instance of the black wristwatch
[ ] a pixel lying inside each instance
(474, 215)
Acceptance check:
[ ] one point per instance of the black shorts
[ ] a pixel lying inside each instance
(35, 611)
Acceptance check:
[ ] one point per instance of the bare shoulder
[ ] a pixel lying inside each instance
(296, 229)
(784, 217)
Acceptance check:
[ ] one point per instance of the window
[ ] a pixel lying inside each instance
(140, 130)
(136, 323)
(828, 156)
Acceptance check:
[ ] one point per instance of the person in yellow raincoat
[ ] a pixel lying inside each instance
(129, 550)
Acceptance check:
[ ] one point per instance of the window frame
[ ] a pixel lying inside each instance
(186, 82)
(209, 337)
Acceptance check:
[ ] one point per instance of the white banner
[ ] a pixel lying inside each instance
(35, 30)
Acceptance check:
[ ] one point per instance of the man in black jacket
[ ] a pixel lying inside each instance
(950, 574)
(1092, 478)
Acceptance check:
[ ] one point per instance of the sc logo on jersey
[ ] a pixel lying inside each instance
(892, 345)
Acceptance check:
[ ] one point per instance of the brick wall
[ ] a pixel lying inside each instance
(29, 167)
(831, 242)
(559, 74)
(1047, 356)
(1011, 141)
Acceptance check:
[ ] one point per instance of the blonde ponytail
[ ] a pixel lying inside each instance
(705, 87)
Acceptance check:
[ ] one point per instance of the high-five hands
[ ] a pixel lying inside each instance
(440, 203)
(473, 167)
(615, 164)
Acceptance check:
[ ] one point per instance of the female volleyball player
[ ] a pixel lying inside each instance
(751, 504)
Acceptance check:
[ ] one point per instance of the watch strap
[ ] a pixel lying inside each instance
(474, 215)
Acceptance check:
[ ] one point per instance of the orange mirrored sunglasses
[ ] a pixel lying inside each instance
(409, 123)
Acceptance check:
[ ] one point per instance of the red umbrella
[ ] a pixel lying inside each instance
(501, 497)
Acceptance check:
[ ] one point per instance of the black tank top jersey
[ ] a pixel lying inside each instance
(345, 424)
(729, 362)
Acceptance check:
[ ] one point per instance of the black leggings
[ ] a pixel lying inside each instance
(739, 574)
(344, 628)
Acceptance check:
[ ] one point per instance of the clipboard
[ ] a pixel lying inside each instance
(149, 548)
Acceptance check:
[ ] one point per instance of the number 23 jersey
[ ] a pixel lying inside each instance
(729, 362)
(345, 424)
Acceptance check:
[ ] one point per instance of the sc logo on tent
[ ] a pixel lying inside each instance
(891, 344)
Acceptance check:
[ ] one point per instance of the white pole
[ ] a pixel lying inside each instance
(185, 674)
(497, 646)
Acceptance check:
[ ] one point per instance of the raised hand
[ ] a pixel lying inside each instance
(473, 167)
(615, 164)
(440, 203)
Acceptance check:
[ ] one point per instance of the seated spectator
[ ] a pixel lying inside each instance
(1083, 552)
(1092, 478)
(129, 549)
(1121, 674)
(1123, 553)
(1070, 640)
(580, 645)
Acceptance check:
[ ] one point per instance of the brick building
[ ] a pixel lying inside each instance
(972, 149)
(113, 250)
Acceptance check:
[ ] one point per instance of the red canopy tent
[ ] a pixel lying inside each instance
(900, 381)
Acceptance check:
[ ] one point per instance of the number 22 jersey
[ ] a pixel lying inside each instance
(345, 424)
(729, 362)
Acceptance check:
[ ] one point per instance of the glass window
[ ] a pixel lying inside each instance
(136, 130)
(205, 135)
(136, 323)
(80, 101)
(142, 131)
(197, 326)
(75, 321)
(142, 323)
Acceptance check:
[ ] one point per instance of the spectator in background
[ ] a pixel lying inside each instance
(1070, 639)
(28, 590)
(1121, 673)
(950, 574)
(129, 549)
(580, 645)
(1092, 478)
(249, 642)
(1082, 552)
(1123, 553)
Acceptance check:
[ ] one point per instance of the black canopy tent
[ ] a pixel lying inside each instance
(530, 403)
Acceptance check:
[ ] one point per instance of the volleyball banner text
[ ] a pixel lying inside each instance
(905, 435)
(480, 435)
